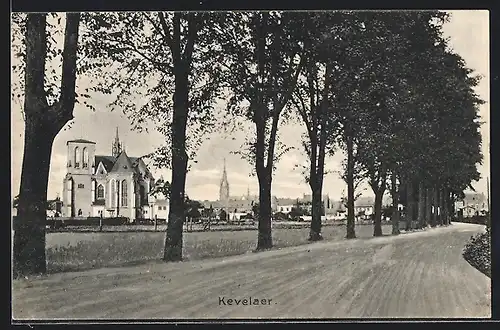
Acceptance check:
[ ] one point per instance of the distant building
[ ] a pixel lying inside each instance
(107, 185)
(364, 206)
(332, 208)
(234, 206)
(473, 204)
(284, 205)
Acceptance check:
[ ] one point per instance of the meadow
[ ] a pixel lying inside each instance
(74, 251)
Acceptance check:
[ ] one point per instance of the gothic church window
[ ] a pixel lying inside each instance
(113, 193)
(142, 194)
(85, 157)
(77, 157)
(124, 193)
(100, 191)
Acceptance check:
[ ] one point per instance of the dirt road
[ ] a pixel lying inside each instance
(420, 274)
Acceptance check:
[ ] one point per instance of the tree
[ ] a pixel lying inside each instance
(443, 107)
(172, 61)
(193, 208)
(223, 215)
(353, 66)
(161, 187)
(380, 94)
(312, 100)
(415, 92)
(255, 210)
(207, 212)
(264, 63)
(45, 113)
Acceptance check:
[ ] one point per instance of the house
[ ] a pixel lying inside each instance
(473, 204)
(285, 205)
(363, 206)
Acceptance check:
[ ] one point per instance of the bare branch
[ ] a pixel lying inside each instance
(166, 30)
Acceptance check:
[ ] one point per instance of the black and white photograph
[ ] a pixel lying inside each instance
(250, 165)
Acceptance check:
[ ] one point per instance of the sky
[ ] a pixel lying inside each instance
(469, 36)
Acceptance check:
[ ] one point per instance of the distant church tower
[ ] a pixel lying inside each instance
(224, 185)
(116, 148)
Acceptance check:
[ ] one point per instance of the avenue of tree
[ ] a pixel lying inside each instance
(384, 88)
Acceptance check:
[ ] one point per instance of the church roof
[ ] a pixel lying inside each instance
(123, 164)
(109, 161)
(80, 141)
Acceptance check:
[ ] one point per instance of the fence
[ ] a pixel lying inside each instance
(89, 221)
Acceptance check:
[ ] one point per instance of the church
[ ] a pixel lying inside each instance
(108, 185)
(234, 206)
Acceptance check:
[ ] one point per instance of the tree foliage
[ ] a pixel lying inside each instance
(141, 52)
(264, 61)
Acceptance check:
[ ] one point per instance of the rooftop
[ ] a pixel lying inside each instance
(80, 141)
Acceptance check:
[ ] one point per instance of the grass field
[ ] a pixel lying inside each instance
(80, 251)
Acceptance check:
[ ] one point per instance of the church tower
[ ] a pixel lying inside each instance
(224, 185)
(116, 148)
(78, 184)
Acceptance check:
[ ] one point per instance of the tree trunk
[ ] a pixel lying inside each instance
(29, 228)
(315, 233)
(264, 240)
(451, 207)
(439, 204)
(444, 208)
(421, 205)
(42, 123)
(176, 214)
(435, 205)
(428, 206)
(351, 232)
(395, 203)
(377, 221)
(409, 205)
(317, 169)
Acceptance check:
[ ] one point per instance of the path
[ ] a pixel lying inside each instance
(420, 274)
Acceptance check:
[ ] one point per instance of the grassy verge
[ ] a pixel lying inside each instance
(80, 251)
(193, 228)
(477, 252)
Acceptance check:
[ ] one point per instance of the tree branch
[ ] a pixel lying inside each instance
(166, 32)
(291, 85)
(36, 54)
(163, 67)
(301, 108)
(193, 26)
(68, 78)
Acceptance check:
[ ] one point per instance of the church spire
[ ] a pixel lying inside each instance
(117, 146)
(224, 185)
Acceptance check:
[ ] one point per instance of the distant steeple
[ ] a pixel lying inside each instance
(117, 146)
(224, 185)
